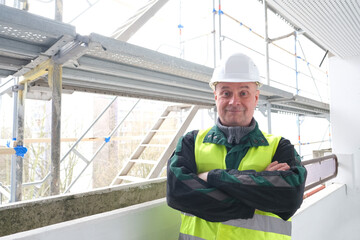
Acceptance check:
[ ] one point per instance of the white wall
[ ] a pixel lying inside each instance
(344, 75)
(152, 220)
(334, 213)
(328, 215)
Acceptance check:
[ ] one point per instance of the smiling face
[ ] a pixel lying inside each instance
(236, 102)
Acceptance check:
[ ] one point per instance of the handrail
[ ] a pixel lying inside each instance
(81, 138)
(318, 161)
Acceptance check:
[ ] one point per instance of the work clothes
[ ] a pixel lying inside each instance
(234, 189)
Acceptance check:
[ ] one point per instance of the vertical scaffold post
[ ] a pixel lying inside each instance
(298, 122)
(268, 105)
(20, 141)
(14, 135)
(13, 176)
(0, 109)
(16, 4)
(55, 83)
(220, 37)
(214, 32)
(59, 10)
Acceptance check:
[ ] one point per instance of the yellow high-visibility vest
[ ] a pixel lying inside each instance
(263, 225)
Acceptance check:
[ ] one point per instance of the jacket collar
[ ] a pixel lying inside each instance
(254, 139)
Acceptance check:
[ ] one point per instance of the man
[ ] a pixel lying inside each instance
(233, 181)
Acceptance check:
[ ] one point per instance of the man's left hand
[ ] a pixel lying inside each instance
(276, 166)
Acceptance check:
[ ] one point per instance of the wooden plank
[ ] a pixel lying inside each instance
(7, 151)
(143, 161)
(90, 139)
(131, 178)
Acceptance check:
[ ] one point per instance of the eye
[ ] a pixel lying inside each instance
(225, 94)
(243, 93)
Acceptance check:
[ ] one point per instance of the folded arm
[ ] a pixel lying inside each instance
(220, 195)
(188, 193)
(279, 189)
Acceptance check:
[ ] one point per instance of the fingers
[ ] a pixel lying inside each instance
(275, 166)
(272, 166)
(284, 167)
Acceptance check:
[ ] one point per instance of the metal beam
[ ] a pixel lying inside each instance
(12, 64)
(156, 171)
(38, 71)
(133, 24)
(103, 144)
(22, 50)
(281, 37)
(31, 28)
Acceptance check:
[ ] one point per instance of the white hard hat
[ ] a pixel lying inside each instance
(236, 68)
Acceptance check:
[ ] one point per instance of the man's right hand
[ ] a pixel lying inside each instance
(276, 166)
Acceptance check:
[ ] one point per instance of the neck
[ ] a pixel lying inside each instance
(234, 134)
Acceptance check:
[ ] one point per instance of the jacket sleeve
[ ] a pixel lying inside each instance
(188, 193)
(279, 192)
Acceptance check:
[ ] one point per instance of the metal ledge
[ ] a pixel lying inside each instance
(28, 39)
(129, 54)
(30, 28)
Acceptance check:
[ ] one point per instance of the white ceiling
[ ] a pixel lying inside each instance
(334, 24)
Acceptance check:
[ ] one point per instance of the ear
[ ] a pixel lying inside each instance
(257, 96)
(215, 95)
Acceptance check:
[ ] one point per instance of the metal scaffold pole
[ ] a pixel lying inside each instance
(0, 111)
(16, 4)
(55, 83)
(16, 176)
(220, 37)
(297, 93)
(181, 43)
(59, 10)
(214, 32)
(214, 38)
(268, 105)
(14, 135)
(20, 141)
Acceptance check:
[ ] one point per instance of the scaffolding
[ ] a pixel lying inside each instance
(41, 55)
(271, 104)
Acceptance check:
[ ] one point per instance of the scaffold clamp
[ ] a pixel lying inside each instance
(20, 151)
(18, 87)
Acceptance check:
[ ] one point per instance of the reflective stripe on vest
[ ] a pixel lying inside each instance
(263, 225)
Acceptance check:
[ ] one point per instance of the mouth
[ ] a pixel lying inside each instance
(235, 110)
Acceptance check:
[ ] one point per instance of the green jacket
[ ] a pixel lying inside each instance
(222, 197)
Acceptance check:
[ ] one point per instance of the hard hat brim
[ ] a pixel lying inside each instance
(212, 84)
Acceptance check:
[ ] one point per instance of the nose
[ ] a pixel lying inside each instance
(235, 100)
